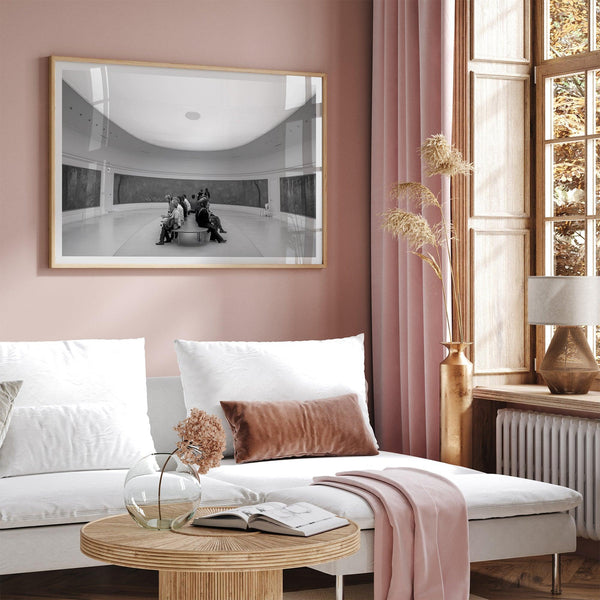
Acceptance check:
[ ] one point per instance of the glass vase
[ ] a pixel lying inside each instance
(456, 398)
(162, 492)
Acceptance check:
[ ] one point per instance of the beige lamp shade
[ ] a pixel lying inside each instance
(564, 301)
(569, 366)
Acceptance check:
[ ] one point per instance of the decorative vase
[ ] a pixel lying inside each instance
(456, 397)
(162, 492)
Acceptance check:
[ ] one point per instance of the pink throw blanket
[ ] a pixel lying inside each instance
(421, 548)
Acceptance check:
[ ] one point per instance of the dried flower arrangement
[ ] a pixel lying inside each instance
(202, 440)
(428, 241)
(202, 444)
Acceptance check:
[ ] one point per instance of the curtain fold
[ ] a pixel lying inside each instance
(411, 100)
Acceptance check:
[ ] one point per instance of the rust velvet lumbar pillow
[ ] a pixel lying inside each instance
(325, 427)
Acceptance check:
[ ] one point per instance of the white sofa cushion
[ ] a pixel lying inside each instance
(57, 498)
(78, 497)
(270, 475)
(49, 439)
(273, 371)
(491, 496)
(82, 373)
(78, 371)
(487, 496)
(8, 393)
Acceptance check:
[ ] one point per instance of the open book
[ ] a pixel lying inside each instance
(301, 518)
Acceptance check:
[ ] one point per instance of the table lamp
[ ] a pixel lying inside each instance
(569, 366)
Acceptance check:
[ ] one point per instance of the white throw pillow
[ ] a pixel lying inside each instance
(72, 437)
(275, 371)
(80, 373)
(8, 393)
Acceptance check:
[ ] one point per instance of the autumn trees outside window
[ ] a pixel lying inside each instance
(567, 84)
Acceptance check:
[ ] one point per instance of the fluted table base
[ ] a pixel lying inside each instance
(245, 585)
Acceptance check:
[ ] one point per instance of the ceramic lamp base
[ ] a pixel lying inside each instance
(569, 367)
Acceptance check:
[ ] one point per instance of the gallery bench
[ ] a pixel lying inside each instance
(202, 234)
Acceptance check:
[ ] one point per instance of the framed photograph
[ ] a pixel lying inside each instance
(161, 165)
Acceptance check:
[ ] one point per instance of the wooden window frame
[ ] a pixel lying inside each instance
(544, 70)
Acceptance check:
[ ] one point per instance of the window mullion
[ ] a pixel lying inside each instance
(590, 171)
(548, 200)
(590, 242)
(592, 19)
(546, 84)
(590, 106)
(546, 30)
(590, 246)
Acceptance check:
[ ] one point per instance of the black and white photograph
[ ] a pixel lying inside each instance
(159, 165)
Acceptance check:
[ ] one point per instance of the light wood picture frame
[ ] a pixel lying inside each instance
(243, 150)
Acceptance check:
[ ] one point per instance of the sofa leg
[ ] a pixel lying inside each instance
(556, 583)
(339, 587)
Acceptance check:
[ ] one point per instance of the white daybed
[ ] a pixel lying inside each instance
(508, 517)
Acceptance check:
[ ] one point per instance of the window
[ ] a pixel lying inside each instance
(568, 141)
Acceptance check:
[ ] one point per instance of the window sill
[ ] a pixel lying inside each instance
(539, 396)
(487, 401)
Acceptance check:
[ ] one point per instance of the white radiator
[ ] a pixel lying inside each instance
(556, 449)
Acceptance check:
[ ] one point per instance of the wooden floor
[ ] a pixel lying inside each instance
(531, 578)
(519, 579)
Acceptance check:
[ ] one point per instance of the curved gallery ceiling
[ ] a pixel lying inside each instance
(190, 109)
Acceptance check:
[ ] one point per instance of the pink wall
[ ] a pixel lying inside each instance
(37, 303)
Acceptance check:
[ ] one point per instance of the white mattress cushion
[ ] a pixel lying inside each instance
(270, 475)
(78, 497)
(56, 498)
(82, 373)
(490, 496)
(486, 496)
(273, 371)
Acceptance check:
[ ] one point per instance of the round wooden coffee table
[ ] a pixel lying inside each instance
(217, 564)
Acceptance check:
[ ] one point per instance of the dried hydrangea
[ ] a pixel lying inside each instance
(202, 440)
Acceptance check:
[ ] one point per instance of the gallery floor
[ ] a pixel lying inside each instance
(135, 233)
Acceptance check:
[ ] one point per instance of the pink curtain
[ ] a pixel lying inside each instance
(412, 99)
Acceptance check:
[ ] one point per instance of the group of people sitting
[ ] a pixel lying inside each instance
(179, 209)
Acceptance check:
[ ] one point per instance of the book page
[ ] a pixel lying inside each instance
(242, 513)
(294, 516)
(245, 512)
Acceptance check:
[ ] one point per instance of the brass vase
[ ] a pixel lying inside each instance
(456, 397)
